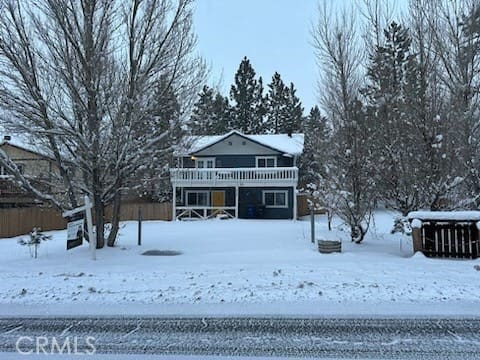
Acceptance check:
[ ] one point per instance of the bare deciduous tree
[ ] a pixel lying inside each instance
(82, 78)
(346, 183)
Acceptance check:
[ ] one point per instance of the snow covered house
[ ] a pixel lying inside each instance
(31, 162)
(237, 175)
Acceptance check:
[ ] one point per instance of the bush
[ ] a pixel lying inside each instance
(36, 238)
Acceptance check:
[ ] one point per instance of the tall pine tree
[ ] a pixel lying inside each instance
(392, 94)
(294, 112)
(276, 104)
(249, 111)
(211, 113)
(317, 136)
(284, 109)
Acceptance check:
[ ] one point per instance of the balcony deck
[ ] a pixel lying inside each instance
(202, 177)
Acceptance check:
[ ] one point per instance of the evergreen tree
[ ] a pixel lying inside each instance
(392, 92)
(276, 103)
(202, 111)
(294, 112)
(284, 109)
(247, 92)
(152, 180)
(317, 136)
(211, 113)
(222, 112)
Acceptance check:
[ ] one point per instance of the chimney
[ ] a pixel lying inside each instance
(7, 138)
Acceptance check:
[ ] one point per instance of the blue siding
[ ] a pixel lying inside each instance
(238, 161)
(253, 197)
(250, 197)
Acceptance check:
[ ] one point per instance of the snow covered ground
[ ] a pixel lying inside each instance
(236, 267)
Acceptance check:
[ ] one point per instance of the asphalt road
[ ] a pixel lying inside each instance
(336, 338)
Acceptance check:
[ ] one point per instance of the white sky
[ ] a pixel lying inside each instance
(273, 34)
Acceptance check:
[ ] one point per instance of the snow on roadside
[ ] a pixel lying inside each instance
(234, 262)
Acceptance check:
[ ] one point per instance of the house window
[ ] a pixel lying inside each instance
(20, 168)
(275, 198)
(266, 161)
(5, 173)
(205, 163)
(198, 198)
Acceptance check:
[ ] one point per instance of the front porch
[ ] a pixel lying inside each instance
(206, 212)
(235, 202)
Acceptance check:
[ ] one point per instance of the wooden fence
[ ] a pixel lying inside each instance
(302, 205)
(448, 239)
(150, 211)
(19, 221)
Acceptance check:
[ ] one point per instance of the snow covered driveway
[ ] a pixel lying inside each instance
(237, 262)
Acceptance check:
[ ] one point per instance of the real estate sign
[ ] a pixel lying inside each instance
(75, 233)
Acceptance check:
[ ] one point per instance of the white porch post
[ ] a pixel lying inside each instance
(174, 204)
(236, 202)
(294, 203)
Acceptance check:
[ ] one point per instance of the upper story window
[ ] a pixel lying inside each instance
(208, 163)
(266, 161)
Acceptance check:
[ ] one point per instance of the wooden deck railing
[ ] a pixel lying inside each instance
(234, 176)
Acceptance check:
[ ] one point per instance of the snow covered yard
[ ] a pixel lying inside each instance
(234, 262)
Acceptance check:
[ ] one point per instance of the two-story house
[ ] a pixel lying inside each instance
(34, 164)
(237, 175)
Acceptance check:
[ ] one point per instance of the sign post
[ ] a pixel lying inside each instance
(75, 229)
(93, 239)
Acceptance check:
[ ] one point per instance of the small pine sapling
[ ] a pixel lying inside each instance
(36, 237)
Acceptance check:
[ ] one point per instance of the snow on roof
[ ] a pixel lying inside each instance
(291, 145)
(23, 143)
(445, 215)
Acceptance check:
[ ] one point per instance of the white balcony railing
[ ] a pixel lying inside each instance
(280, 176)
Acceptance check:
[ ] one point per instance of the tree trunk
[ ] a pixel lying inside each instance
(115, 220)
(99, 209)
(357, 233)
(99, 224)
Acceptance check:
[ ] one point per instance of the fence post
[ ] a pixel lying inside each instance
(417, 235)
(477, 252)
(312, 224)
(139, 226)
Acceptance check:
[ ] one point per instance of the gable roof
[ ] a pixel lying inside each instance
(17, 142)
(283, 143)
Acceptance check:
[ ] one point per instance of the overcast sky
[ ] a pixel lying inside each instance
(273, 34)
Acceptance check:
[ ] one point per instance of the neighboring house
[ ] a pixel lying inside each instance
(237, 175)
(33, 164)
